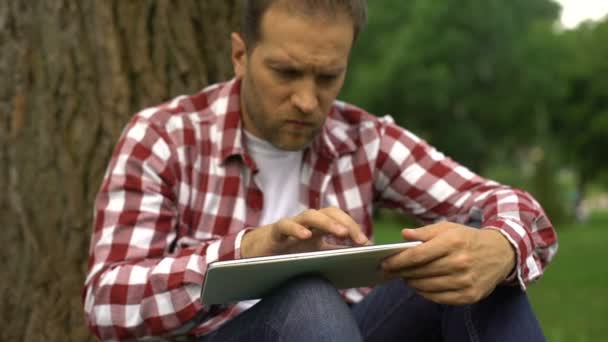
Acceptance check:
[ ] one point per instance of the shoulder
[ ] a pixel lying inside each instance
(350, 127)
(348, 121)
(351, 115)
(351, 118)
(184, 111)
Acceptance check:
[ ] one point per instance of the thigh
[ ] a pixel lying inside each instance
(394, 312)
(505, 315)
(304, 309)
(251, 325)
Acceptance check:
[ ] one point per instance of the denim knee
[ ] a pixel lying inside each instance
(505, 315)
(312, 309)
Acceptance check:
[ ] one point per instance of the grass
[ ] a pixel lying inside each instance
(571, 300)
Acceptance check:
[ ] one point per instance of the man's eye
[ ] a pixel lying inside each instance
(287, 73)
(328, 78)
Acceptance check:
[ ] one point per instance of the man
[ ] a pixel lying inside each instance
(269, 163)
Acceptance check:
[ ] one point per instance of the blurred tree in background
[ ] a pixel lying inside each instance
(71, 75)
(491, 83)
(583, 121)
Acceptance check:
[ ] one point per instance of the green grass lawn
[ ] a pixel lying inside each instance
(571, 300)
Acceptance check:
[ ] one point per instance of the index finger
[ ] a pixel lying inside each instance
(416, 256)
(322, 222)
(354, 230)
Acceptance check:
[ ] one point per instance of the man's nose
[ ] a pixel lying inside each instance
(305, 96)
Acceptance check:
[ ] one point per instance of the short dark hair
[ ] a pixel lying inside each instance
(254, 10)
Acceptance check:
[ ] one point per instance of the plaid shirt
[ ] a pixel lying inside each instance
(179, 193)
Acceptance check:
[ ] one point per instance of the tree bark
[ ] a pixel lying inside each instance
(72, 72)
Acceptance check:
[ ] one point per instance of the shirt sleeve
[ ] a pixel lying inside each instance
(139, 283)
(416, 178)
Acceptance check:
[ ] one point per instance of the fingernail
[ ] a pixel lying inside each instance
(306, 234)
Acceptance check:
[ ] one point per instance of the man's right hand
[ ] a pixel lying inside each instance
(305, 232)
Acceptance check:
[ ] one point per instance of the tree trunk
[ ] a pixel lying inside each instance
(72, 72)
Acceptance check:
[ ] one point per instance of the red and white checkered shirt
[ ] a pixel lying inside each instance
(179, 194)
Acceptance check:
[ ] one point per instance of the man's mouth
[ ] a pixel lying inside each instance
(299, 123)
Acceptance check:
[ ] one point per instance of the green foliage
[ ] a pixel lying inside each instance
(545, 188)
(462, 73)
(487, 81)
(584, 120)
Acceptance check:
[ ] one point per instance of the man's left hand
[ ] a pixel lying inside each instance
(455, 264)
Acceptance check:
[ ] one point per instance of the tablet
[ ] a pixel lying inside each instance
(252, 278)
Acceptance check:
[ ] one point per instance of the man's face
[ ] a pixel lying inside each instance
(293, 75)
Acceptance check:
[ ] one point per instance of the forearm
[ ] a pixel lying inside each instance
(152, 296)
(432, 187)
(121, 310)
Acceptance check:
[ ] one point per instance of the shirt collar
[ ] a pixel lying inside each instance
(226, 108)
(335, 139)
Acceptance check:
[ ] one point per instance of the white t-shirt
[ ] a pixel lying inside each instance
(278, 178)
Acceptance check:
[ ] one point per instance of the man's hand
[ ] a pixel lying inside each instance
(455, 264)
(305, 232)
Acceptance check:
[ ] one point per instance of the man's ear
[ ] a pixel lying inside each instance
(239, 55)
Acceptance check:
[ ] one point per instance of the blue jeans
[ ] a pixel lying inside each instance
(311, 309)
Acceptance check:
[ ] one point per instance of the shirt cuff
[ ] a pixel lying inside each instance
(237, 242)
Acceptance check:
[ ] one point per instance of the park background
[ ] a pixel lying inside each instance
(505, 87)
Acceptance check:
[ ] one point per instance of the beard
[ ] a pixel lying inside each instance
(277, 128)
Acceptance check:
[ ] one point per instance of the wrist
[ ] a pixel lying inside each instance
(247, 244)
(253, 244)
(506, 251)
